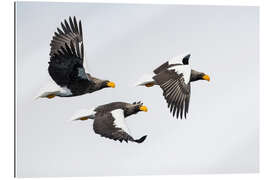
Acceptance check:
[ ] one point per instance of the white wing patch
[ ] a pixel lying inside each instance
(85, 64)
(185, 69)
(177, 59)
(119, 119)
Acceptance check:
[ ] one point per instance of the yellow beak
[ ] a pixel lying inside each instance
(143, 108)
(206, 77)
(111, 84)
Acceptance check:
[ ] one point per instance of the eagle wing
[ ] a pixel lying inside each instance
(112, 125)
(175, 61)
(70, 32)
(176, 89)
(66, 58)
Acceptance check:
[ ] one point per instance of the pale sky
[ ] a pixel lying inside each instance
(122, 42)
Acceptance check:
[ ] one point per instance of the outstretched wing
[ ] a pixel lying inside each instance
(174, 61)
(112, 125)
(70, 32)
(176, 89)
(66, 58)
(66, 68)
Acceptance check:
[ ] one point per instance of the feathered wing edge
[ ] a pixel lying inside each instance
(141, 139)
(175, 92)
(69, 32)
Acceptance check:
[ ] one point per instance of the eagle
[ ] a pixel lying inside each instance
(109, 119)
(174, 78)
(66, 65)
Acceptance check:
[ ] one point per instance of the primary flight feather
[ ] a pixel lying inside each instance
(66, 65)
(109, 119)
(174, 78)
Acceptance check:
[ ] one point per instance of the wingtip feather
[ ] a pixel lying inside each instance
(141, 139)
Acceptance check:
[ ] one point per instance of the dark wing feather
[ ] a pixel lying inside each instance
(69, 32)
(66, 69)
(104, 125)
(66, 58)
(175, 91)
(164, 67)
(161, 68)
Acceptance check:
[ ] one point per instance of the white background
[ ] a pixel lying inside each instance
(7, 149)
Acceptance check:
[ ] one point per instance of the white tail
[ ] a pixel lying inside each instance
(83, 114)
(50, 88)
(145, 79)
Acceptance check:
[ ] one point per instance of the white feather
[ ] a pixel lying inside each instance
(83, 113)
(119, 121)
(53, 88)
(65, 91)
(50, 88)
(145, 79)
(185, 69)
(177, 59)
(85, 64)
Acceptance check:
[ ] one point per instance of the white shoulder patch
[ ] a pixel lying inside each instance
(119, 119)
(185, 69)
(176, 60)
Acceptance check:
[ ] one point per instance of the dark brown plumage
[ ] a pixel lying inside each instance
(109, 120)
(66, 62)
(175, 91)
(174, 77)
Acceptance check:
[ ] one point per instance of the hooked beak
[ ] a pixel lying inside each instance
(143, 108)
(206, 77)
(111, 84)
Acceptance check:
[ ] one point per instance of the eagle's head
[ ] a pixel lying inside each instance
(107, 83)
(134, 108)
(195, 76)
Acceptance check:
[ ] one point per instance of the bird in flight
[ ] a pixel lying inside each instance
(109, 119)
(66, 65)
(174, 78)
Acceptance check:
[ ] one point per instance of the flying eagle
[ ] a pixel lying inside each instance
(109, 119)
(174, 77)
(66, 64)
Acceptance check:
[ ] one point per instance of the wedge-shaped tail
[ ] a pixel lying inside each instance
(49, 91)
(146, 80)
(83, 114)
